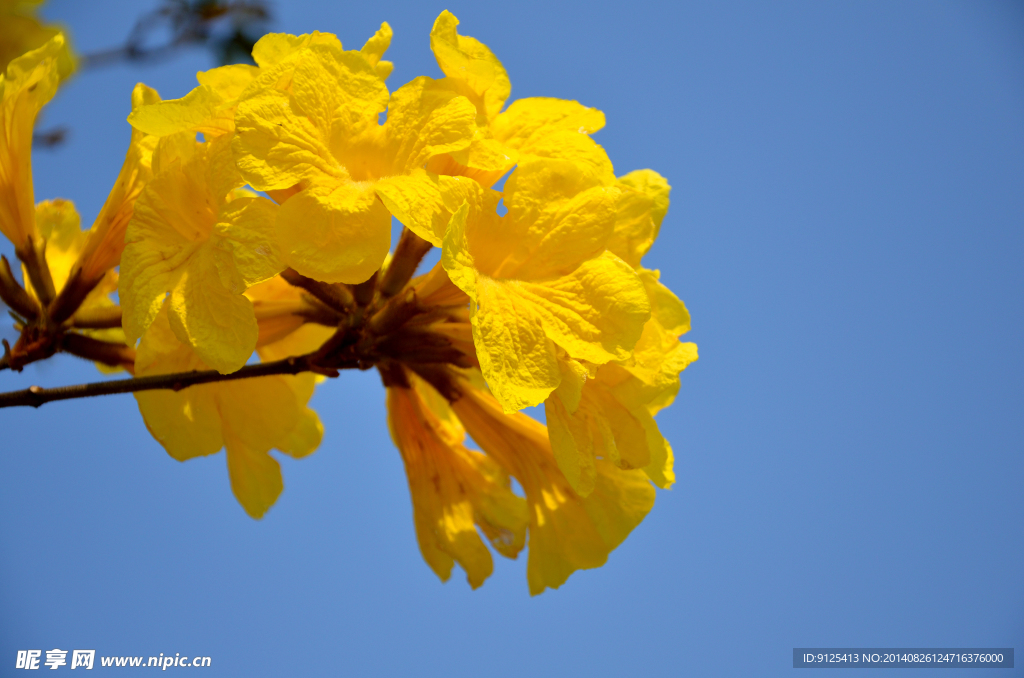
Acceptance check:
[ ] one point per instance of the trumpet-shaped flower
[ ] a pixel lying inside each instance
(29, 82)
(315, 134)
(246, 418)
(568, 532)
(196, 238)
(102, 250)
(539, 278)
(454, 490)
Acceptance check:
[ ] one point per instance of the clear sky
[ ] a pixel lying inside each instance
(846, 229)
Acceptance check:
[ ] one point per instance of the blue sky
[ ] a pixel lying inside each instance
(846, 229)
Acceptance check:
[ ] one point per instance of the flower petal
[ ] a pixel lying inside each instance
(453, 490)
(29, 82)
(217, 322)
(596, 313)
(255, 475)
(425, 121)
(518, 359)
(641, 207)
(339, 235)
(471, 63)
(249, 229)
(567, 532)
(415, 200)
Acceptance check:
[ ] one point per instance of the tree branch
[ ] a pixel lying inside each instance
(35, 396)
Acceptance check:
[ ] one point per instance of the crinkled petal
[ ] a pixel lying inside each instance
(339, 235)
(275, 148)
(571, 444)
(415, 200)
(339, 92)
(248, 417)
(305, 437)
(555, 234)
(196, 111)
(425, 121)
(620, 501)
(228, 81)
(596, 313)
(518, 359)
(555, 129)
(148, 272)
(263, 412)
(58, 222)
(641, 207)
(249, 228)
(666, 307)
(658, 356)
(185, 422)
(172, 219)
(471, 63)
(567, 532)
(216, 321)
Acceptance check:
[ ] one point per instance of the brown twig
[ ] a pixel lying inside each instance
(35, 396)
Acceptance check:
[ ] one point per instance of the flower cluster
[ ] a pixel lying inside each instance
(253, 215)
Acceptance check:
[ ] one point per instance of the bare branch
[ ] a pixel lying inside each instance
(35, 396)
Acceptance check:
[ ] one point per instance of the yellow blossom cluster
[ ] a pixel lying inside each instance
(253, 216)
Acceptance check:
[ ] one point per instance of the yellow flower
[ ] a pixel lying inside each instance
(606, 412)
(59, 224)
(21, 32)
(210, 107)
(539, 278)
(105, 244)
(539, 297)
(315, 133)
(454, 490)
(194, 236)
(659, 356)
(538, 127)
(567, 532)
(28, 84)
(247, 417)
